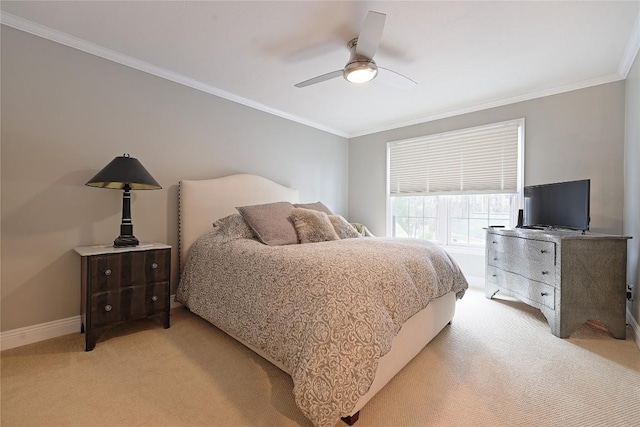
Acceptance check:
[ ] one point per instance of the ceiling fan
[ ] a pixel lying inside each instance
(361, 67)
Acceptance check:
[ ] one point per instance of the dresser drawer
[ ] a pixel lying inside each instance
(571, 277)
(114, 271)
(132, 302)
(528, 268)
(535, 250)
(529, 291)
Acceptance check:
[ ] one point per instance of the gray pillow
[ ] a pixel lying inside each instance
(343, 229)
(317, 206)
(233, 227)
(270, 223)
(313, 226)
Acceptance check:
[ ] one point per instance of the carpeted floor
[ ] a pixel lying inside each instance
(496, 365)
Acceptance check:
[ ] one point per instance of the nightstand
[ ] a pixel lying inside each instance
(121, 284)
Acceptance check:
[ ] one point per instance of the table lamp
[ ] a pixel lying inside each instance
(125, 173)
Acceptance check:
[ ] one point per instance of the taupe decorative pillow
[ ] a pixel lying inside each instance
(312, 226)
(233, 227)
(343, 229)
(317, 206)
(270, 223)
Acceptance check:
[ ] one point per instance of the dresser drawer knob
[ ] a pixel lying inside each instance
(494, 242)
(108, 307)
(545, 272)
(107, 272)
(495, 258)
(543, 251)
(154, 298)
(543, 294)
(154, 265)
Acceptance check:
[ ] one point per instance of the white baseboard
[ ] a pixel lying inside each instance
(57, 328)
(475, 282)
(44, 331)
(174, 303)
(635, 327)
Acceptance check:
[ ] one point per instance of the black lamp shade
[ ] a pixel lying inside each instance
(124, 170)
(125, 173)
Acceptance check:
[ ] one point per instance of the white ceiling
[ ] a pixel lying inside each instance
(465, 56)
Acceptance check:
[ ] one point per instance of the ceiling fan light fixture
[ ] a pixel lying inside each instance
(361, 68)
(360, 71)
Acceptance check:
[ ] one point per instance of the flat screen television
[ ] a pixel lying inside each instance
(559, 205)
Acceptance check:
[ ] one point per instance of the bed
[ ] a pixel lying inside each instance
(312, 309)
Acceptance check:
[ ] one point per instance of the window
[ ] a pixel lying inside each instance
(449, 187)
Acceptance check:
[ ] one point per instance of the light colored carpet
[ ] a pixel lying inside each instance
(496, 365)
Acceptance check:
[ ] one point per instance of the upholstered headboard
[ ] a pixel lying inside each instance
(201, 202)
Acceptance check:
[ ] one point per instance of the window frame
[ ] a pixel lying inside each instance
(444, 235)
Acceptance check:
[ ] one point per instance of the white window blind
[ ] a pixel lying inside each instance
(477, 160)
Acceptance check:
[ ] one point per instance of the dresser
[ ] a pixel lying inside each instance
(121, 284)
(571, 277)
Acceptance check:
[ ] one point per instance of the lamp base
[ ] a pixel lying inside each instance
(123, 241)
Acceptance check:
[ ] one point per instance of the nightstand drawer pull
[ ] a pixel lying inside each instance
(545, 272)
(154, 265)
(543, 251)
(543, 294)
(107, 272)
(108, 307)
(154, 298)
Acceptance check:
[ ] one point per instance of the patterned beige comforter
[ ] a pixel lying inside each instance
(327, 311)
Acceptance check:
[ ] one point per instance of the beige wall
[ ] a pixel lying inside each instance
(66, 114)
(570, 136)
(632, 184)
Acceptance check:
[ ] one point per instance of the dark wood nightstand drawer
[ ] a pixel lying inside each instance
(128, 303)
(114, 271)
(120, 284)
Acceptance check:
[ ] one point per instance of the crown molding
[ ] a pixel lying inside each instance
(631, 50)
(497, 103)
(111, 55)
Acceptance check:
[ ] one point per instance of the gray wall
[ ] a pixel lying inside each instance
(573, 135)
(632, 184)
(570, 136)
(66, 114)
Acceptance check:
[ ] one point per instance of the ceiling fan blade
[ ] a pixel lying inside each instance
(370, 34)
(396, 80)
(319, 79)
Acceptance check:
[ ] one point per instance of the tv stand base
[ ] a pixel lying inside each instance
(571, 278)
